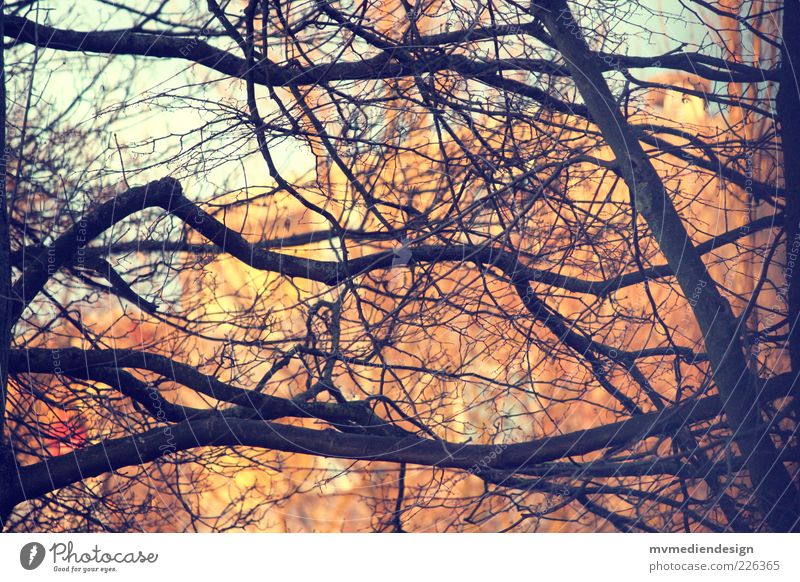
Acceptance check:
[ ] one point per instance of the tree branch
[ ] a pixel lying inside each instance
(219, 430)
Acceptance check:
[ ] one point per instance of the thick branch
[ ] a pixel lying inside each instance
(100, 365)
(218, 430)
(382, 66)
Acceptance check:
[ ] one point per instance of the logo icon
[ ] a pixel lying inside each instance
(31, 555)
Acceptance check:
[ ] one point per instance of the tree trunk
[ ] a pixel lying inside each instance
(773, 487)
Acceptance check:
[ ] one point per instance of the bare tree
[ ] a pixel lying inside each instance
(400, 266)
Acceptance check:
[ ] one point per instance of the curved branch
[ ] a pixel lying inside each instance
(218, 430)
(382, 66)
(101, 364)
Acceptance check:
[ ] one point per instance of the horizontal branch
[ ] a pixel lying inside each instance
(167, 194)
(100, 365)
(382, 66)
(219, 431)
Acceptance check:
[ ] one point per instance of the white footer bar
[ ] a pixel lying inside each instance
(400, 557)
